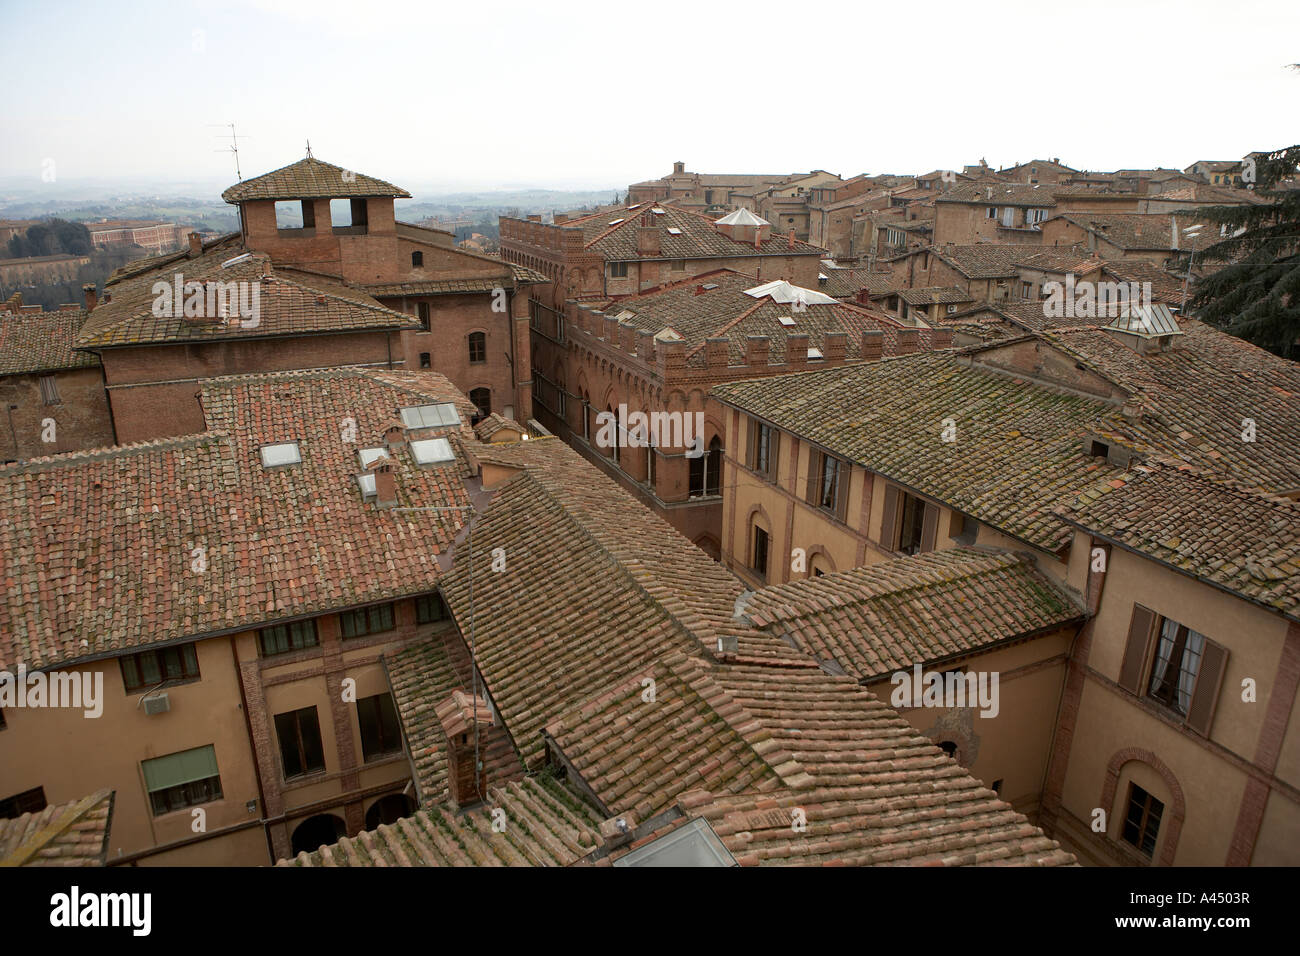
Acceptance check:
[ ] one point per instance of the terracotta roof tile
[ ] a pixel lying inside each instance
(65, 834)
(33, 342)
(311, 178)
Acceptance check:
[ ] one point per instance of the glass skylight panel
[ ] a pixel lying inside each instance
(674, 231)
(283, 453)
(693, 844)
(430, 416)
(431, 451)
(786, 319)
(369, 455)
(814, 353)
(367, 485)
(615, 222)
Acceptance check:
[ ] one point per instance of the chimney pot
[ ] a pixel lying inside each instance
(385, 483)
(92, 296)
(699, 290)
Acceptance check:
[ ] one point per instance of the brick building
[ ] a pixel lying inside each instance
(52, 396)
(988, 212)
(661, 352)
(152, 235)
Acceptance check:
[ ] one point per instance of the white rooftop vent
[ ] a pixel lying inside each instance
(674, 231)
(783, 293)
(615, 222)
(431, 451)
(430, 416)
(668, 334)
(278, 455)
(237, 260)
(786, 320)
(742, 217)
(822, 277)
(367, 485)
(657, 211)
(814, 352)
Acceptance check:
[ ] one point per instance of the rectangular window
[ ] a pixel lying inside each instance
(380, 732)
(763, 442)
(759, 562)
(151, 668)
(29, 801)
(422, 309)
(301, 751)
(618, 270)
(182, 780)
(991, 212)
(912, 525)
(425, 361)
(284, 638)
(366, 620)
(1026, 290)
(430, 608)
(909, 524)
(49, 390)
(1172, 664)
(828, 483)
(1142, 820)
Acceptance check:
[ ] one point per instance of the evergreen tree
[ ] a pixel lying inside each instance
(1256, 295)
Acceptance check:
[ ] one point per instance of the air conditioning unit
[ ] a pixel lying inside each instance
(952, 309)
(157, 705)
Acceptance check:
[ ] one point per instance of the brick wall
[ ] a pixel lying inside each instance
(81, 418)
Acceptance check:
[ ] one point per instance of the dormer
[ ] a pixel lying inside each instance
(743, 226)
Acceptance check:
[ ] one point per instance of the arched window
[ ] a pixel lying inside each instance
(758, 552)
(482, 399)
(477, 347)
(417, 260)
(706, 470)
(615, 443)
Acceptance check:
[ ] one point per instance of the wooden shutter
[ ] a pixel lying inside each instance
(929, 526)
(751, 443)
(844, 475)
(1138, 649)
(1205, 696)
(773, 463)
(814, 476)
(889, 523)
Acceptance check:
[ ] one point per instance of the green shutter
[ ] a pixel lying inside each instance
(176, 769)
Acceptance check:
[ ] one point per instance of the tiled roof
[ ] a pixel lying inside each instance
(984, 260)
(65, 834)
(847, 283)
(311, 178)
(1018, 451)
(1061, 259)
(1018, 447)
(494, 424)
(999, 194)
(1165, 287)
(697, 314)
(943, 295)
(545, 825)
(876, 792)
(279, 542)
(1245, 543)
(1138, 231)
(422, 677)
(885, 617)
(699, 237)
(290, 302)
(631, 591)
(41, 342)
(668, 729)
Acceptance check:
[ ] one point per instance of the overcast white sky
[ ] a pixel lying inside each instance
(568, 94)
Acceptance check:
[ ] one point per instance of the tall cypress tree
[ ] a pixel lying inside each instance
(1256, 295)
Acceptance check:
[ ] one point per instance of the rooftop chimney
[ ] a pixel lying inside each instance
(385, 482)
(458, 715)
(92, 295)
(790, 240)
(873, 346)
(196, 245)
(394, 437)
(941, 337)
(699, 290)
(647, 241)
(908, 341)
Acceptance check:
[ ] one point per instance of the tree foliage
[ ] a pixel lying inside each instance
(1256, 293)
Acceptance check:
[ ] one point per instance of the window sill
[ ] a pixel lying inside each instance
(165, 685)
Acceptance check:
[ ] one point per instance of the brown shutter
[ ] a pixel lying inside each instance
(1137, 650)
(1200, 715)
(751, 443)
(889, 523)
(814, 474)
(929, 526)
(842, 491)
(773, 466)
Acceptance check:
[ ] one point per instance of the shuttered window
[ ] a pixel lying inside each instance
(828, 483)
(182, 779)
(763, 444)
(1177, 667)
(910, 525)
(49, 390)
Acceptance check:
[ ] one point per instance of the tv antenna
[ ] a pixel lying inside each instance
(233, 147)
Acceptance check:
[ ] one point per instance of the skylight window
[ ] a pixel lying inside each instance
(367, 485)
(674, 231)
(693, 844)
(814, 353)
(657, 211)
(430, 416)
(281, 454)
(786, 320)
(237, 260)
(615, 222)
(431, 451)
(369, 455)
